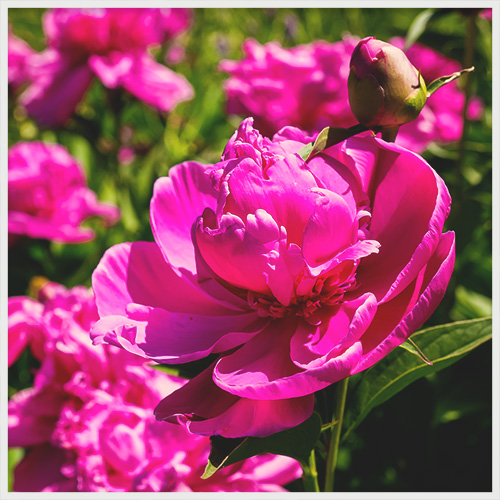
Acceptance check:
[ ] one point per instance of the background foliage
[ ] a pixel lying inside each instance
(436, 434)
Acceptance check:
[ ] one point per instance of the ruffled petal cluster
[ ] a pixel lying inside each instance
(88, 422)
(111, 44)
(292, 275)
(48, 196)
(306, 87)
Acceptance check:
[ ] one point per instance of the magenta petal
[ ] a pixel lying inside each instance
(206, 409)
(311, 346)
(175, 337)
(33, 415)
(178, 200)
(407, 193)
(262, 368)
(34, 227)
(111, 69)
(410, 308)
(284, 193)
(137, 273)
(23, 314)
(330, 229)
(231, 247)
(156, 85)
(57, 87)
(41, 470)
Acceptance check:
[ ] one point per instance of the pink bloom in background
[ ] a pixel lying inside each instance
(306, 87)
(88, 421)
(111, 44)
(441, 119)
(487, 14)
(48, 197)
(297, 275)
(19, 54)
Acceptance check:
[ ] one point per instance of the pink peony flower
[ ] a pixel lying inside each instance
(295, 274)
(48, 196)
(306, 87)
(111, 44)
(89, 423)
(19, 54)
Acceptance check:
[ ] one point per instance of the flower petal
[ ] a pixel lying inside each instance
(406, 312)
(230, 248)
(175, 337)
(331, 228)
(206, 409)
(57, 87)
(178, 200)
(137, 273)
(262, 368)
(156, 84)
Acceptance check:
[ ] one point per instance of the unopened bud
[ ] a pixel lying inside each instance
(385, 89)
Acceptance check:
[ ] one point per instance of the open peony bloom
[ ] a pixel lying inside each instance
(306, 87)
(88, 421)
(111, 44)
(295, 274)
(48, 195)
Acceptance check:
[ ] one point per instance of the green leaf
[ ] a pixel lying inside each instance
(296, 443)
(328, 137)
(14, 456)
(443, 80)
(418, 26)
(306, 151)
(443, 345)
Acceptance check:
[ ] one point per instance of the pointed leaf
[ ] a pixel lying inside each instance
(418, 26)
(443, 345)
(296, 443)
(443, 80)
(328, 137)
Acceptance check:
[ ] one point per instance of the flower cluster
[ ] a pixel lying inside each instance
(110, 44)
(48, 195)
(88, 420)
(297, 274)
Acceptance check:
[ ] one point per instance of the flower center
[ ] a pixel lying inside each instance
(311, 294)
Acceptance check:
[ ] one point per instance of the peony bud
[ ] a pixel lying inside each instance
(385, 89)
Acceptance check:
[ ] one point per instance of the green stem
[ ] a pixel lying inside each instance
(338, 415)
(310, 475)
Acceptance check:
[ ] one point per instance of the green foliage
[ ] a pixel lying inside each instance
(443, 345)
(297, 443)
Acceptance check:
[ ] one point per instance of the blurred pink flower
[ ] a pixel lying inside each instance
(306, 87)
(88, 421)
(487, 14)
(441, 119)
(110, 44)
(19, 54)
(126, 155)
(47, 194)
(297, 274)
